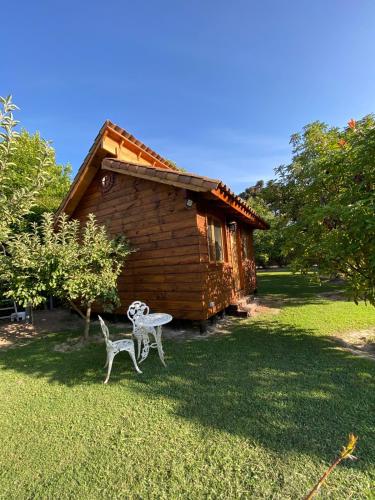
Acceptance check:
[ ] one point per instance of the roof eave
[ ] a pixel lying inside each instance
(224, 194)
(174, 178)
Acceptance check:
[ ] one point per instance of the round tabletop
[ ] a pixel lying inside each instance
(155, 319)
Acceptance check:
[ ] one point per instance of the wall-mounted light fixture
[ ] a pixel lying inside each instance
(189, 202)
(232, 226)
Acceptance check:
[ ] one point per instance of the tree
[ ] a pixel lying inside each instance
(329, 203)
(78, 265)
(267, 244)
(16, 201)
(174, 165)
(25, 154)
(264, 199)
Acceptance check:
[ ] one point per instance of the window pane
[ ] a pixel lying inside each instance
(218, 242)
(215, 239)
(211, 240)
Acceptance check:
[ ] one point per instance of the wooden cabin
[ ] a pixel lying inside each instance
(193, 236)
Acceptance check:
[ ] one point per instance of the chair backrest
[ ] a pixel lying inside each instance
(104, 330)
(136, 310)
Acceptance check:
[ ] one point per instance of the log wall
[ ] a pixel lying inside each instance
(170, 269)
(219, 284)
(165, 270)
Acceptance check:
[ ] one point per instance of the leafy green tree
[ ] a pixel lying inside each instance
(173, 164)
(329, 203)
(78, 265)
(267, 244)
(264, 199)
(17, 200)
(25, 155)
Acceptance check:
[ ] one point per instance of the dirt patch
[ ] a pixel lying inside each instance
(18, 333)
(177, 333)
(61, 320)
(76, 343)
(258, 306)
(264, 306)
(264, 309)
(12, 333)
(360, 342)
(218, 328)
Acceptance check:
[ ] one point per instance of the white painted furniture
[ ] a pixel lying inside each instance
(145, 324)
(115, 347)
(18, 316)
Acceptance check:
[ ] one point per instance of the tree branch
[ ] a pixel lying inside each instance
(77, 310)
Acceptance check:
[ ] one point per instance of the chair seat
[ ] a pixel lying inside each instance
(123, 345)
(115, 347)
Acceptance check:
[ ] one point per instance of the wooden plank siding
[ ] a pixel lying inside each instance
(165, 270)
(218, 279)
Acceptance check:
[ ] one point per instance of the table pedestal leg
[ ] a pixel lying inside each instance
(159, 344)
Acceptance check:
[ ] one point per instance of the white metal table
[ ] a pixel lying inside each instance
(153, 323)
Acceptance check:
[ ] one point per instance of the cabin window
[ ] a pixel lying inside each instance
(215, 239)
(246, 244)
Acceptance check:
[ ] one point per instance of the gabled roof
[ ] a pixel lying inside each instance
(111, 150)
(113, 135)
(158, 160)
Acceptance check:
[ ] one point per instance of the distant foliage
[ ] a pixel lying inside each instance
(263, 198)
(175, 166)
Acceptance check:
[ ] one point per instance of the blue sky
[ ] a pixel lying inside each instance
(216, 86)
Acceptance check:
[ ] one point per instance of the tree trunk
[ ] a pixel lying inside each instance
(29, 314)
(87, 322)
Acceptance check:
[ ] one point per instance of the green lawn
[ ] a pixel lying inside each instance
(257, 414)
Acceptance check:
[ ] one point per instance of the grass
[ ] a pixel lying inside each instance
(256, 414)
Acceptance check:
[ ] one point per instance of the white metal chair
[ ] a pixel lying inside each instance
(141, 333)
(115, 347)
(18, 315)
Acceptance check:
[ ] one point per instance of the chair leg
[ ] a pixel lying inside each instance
(139, 344)
(132, 355)
(110, 361)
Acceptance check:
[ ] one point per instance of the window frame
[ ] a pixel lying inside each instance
(245, 244)
(210, 225)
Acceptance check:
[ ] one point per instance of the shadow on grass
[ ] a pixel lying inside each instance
(274, 384)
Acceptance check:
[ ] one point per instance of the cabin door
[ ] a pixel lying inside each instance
(236, 260)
